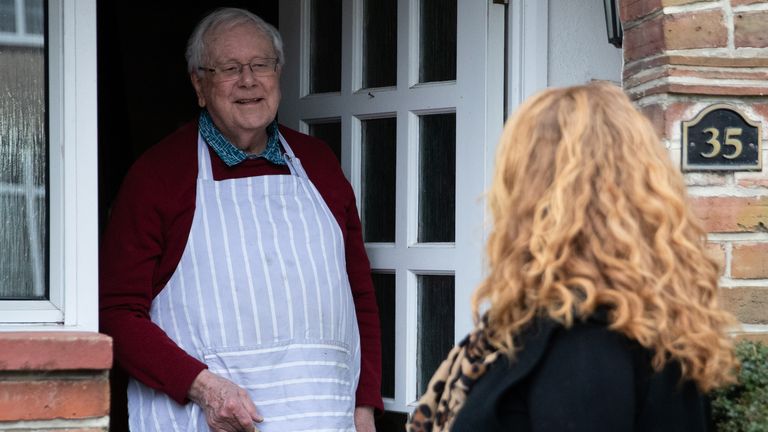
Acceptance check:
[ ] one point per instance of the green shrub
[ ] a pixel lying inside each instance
(743, 407)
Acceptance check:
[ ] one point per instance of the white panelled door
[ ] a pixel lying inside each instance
(410, 95)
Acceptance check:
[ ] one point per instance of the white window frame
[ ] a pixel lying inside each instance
(21, 37)
(528, 49)
(73, 248)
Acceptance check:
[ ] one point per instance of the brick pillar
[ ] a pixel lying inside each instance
(681, 56)
(55, 381)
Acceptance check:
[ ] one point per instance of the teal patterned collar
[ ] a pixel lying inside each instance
(232, 155)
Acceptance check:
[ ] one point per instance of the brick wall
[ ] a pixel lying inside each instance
(54, 381)
(680, 57)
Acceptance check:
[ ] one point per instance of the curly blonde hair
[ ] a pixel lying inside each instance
(588, 211)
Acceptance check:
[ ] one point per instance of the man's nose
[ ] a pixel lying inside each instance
(247, 78)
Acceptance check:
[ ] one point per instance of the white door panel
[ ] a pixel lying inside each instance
(476, 97)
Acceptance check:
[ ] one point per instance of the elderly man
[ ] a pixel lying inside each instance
(233, 272)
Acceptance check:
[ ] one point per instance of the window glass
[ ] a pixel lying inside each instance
(437, 40)
(385, 299)
(23, 171)
(7, 16)
(435, 325)
(437, 178)
(325, 46)
(378, 173)
(33, 16)
(379, 43)
(330, 132)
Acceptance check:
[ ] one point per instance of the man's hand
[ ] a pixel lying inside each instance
(227, 406)
(364, 419)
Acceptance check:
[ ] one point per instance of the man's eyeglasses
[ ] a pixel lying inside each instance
(232, 71)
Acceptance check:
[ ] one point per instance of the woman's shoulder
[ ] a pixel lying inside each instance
(592, 337)
(562, 373)
(554, 364)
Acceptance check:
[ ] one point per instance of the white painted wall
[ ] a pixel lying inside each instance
(578, 45)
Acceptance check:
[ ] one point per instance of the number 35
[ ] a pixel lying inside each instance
(730, 141)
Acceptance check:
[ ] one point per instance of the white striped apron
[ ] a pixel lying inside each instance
(261, 296)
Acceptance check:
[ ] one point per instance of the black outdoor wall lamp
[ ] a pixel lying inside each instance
(613, 22)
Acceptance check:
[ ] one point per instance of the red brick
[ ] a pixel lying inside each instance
(631, 10)
(694, 89)
(705, 179)
(705, 29)
(750, 261)
(740, 63)
(666, 119)
(750, 29)
(719, 90)
(761, 109)
(655, 114)
(677, 112)
(43, 400)
(750, 182)
(756, 337)
(732, 214)
(753, 179)
(748, 304)
(55, 351)
(641, 65)
(718, 61)
(666, 3)
(636, 80)
(757, 179)
(644, 40)
(724, 73)
(716, 251)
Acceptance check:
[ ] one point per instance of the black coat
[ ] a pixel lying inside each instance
(586, 378)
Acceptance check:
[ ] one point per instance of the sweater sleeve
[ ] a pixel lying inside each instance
(366, 308)
(585, 382)
(132, 246)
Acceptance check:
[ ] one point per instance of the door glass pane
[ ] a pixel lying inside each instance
(325, 46)
(330, 132)
(33, 16)
(385, 299)
(379, 43)
(23, 172)
(435, 325)
(7, 16)
(378, 179)
(437, 178)
(437, 40)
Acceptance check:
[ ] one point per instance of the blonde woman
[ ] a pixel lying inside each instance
(600, 308)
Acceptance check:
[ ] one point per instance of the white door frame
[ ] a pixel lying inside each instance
(478, 98)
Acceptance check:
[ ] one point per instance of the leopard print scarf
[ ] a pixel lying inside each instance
(452, 381)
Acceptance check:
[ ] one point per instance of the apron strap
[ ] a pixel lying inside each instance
(293, 162)
(204, 171)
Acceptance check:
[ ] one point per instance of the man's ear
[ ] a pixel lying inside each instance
(197, 83)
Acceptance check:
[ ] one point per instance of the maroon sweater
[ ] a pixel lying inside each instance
(146, 235)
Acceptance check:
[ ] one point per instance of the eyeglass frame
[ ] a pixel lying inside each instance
(215, 70)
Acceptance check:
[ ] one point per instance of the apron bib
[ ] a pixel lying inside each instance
(261, 296)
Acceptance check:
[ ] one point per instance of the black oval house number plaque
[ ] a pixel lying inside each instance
(720, 138)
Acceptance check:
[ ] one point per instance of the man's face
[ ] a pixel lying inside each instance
(247, 104)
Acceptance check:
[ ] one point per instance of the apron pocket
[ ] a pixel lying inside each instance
(297, 385)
